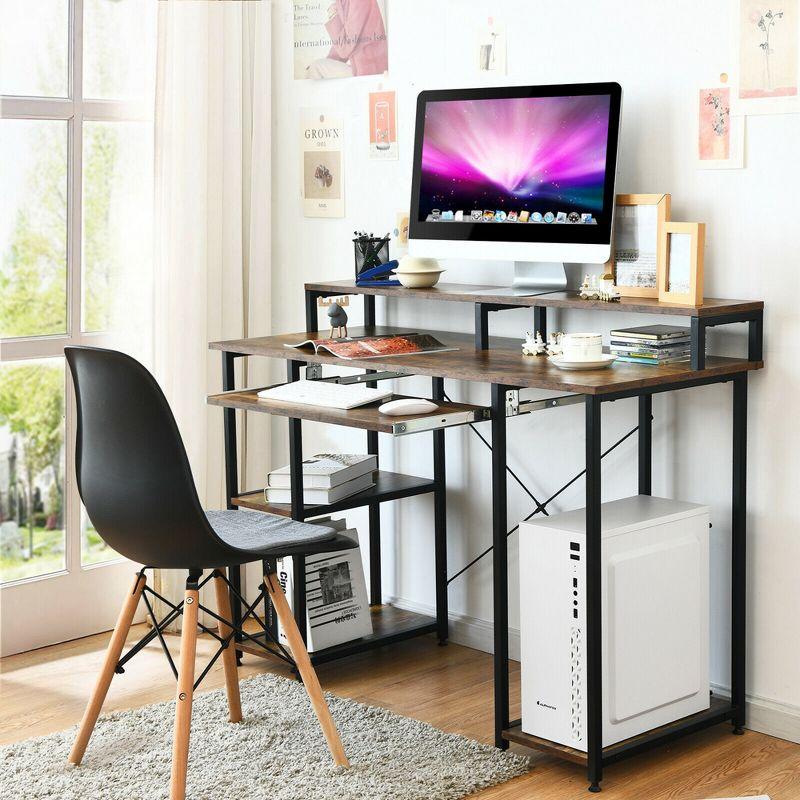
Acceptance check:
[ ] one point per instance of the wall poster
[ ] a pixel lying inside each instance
(720, 136)
(768, 80)
(383, 125)
(322, 147)
(340, 39)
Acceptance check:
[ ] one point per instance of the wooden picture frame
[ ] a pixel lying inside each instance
(629, 232)
(681, 280)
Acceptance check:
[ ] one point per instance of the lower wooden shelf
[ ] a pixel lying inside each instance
(389, 624)
(388, 486)
(719, 711)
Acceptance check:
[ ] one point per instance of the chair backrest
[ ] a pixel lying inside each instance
(133, 473)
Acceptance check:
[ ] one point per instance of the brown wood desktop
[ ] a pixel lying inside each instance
(500, 363)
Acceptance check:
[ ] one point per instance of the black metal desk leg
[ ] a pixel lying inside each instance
(312, 323)
(298, 508)
(594, 581)
(369, 310)
(698, 345)
(481, 327)
(540, 320)
(440, 523)
(645, 444)
(739, 552)
(500, 564)
(375, 585)
(755, 337)
(232, 485)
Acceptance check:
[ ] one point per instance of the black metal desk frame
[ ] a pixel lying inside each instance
(507, 730)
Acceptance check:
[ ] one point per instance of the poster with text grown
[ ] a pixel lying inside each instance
(339, 39)
(322, 147)
(382, 125)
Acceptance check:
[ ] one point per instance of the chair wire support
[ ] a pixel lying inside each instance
(176, 610)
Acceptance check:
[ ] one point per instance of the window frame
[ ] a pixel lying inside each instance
(74, 110)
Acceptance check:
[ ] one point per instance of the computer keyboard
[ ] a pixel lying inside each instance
(328, 395)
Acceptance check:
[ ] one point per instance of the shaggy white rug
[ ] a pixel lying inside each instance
(277, 753)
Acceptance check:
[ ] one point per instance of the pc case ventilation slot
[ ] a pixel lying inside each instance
(575, 668)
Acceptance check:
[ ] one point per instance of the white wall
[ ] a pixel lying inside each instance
(660, 53)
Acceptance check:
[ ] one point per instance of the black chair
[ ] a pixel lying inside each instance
(135, 481)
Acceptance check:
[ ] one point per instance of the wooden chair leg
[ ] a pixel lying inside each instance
(229, 653)
(113, 654)
(309, 675)
(183, 701)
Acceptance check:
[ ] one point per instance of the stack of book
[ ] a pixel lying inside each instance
(652, 344)
(327, 478)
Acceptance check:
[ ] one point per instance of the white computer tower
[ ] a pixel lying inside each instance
(655, 613)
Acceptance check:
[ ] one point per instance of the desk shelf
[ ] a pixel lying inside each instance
(366, 418)
(719, 711)
(388, 486)
(486, 299)
(389, 624)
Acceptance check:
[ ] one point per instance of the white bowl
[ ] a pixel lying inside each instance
(417, 279)
(414, 264)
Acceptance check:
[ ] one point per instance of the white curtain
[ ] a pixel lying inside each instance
(212, 224)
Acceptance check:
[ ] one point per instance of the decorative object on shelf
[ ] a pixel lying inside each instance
(373, 265)
(418, 273)
(554, 344)
(602, 289)
(681, 280)
(638, 233)
(338, 320)
(407, 405)
(533, 346)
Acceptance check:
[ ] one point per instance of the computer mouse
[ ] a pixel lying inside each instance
(407, 406)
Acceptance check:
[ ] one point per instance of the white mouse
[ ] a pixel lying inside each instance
(407, 406)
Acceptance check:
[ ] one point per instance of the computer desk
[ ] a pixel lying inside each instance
(500, 363)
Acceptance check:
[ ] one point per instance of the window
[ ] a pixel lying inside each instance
(76, 136)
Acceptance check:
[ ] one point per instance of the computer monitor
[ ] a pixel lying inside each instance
(519, 173)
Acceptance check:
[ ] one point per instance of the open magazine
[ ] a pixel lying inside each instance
(390, 344)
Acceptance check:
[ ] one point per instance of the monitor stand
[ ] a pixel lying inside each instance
(538, 277)
(532, 278)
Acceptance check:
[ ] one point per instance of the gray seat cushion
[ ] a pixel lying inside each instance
(256, 531)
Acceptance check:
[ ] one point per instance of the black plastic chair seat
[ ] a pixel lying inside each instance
(259, 535)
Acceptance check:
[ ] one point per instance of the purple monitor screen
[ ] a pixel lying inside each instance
(520, 159)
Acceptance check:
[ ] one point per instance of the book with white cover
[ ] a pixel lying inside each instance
(316, 497)
(325, 470)
(336, 595)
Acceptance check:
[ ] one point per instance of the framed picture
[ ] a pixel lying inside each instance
(720, 135)
(636, 247)
(681, 280)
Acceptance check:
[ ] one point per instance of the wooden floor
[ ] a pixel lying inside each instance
(450, 687)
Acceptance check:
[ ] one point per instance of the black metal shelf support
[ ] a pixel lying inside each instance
(755, 334)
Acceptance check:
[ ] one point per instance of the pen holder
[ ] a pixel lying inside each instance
(370, 252)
